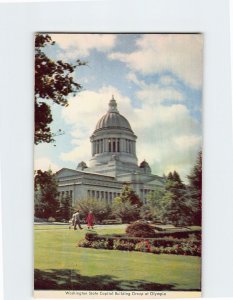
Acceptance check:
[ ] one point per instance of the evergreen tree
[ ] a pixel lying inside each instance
(127, 194)
(152, 210)
(195, 189)
(174, 206)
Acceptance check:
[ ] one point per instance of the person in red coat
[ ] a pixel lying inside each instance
(90, 220)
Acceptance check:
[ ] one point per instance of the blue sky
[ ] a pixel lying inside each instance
(157, 82)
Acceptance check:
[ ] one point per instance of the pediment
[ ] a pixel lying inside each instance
(64, 172)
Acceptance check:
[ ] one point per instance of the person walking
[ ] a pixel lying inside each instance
(76, 218)
(90, 220)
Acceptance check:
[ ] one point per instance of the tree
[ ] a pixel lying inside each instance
(127, 205)
(127, 194)
(195, 189)
(100, 208)
(53, 83)
(65, 210)
(152, 210)
(46, 194)
(175, 208)
(125, 210)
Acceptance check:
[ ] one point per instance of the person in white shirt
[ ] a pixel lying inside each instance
(76, 219)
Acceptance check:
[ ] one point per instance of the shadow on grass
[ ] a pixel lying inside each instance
(72, 280)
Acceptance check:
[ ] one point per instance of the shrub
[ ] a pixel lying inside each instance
(155, 250)
(140, 229)
(102, 244)
(143, 246)
(179, 234)
(90, 236)
(121, 245)
(84, 243)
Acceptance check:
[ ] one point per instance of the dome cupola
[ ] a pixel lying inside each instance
(145, 167)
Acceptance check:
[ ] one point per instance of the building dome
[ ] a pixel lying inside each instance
(113, 119)
(113, 137)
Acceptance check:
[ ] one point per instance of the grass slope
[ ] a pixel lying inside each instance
(60, 264)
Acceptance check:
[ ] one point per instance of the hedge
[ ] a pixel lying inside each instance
(152, 245)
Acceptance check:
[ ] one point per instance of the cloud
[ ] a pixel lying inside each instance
(80, 45)
(168, 136)
(132, 77)
(44, 164)
(154, 93)
(167, 80)
(83, 113)
(180, 54)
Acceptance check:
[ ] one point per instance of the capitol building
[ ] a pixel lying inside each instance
(113, 163)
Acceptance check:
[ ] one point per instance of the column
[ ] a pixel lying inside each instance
(101, 146)
(111, 144)
(106, 145)
(121, 145)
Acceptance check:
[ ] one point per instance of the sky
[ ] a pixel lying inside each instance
(156, 80)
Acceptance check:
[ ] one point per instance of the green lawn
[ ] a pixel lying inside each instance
(60, 264)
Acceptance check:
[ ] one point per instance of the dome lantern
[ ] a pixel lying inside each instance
(113, 106)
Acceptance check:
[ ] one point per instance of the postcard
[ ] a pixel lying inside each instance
(118, 165)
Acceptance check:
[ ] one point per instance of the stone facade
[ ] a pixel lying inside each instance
(113, 163)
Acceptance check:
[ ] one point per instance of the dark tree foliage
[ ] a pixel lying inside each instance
(195, 188)
(65, 210)
(152, 210)
(127, 194)
(174, 205)
(100, 209)
(127, 205)
(53, 83)
(46, 195)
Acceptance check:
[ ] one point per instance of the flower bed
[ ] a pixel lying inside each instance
(151, 245)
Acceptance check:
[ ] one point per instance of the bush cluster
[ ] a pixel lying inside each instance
(123, 245)
(157, 246)
(179, 234)
(140, 229)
